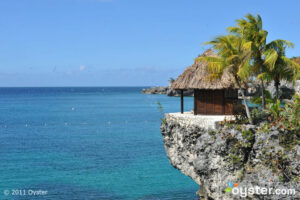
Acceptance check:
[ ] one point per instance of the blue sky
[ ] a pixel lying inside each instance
(121, 42)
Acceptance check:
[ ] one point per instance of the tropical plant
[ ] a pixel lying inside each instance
(161, 112)
(279, 66)
(297, 60)
(291, 115)
(259, 115)
(268, 98)
(251, 29)
(295, 118)
(274, 109)
(268, 60)
(234, 55)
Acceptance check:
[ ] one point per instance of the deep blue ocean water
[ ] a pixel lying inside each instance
(87, 143)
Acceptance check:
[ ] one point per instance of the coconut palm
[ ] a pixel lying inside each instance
(234, 55)
(251, 29)
(279, 67)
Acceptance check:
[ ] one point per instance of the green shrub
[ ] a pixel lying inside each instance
(290, 116)
(235, 159)
(259, 115)
(248, 135)
(241, 118)
(274, 109)
(258, 100)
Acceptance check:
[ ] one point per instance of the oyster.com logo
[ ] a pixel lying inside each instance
(231, 185)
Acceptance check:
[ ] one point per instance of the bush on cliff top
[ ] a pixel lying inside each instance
(289, 117)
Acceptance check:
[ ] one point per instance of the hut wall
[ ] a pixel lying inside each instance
(215, 102)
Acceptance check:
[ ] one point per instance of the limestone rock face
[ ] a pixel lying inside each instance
(297, 86)
(253, 89)
(286, 89)
(171, 92)
(249, 155)
(156, 90)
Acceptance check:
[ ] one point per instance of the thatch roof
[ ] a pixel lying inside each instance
(197, 77)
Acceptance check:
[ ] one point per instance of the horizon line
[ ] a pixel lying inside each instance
(73, 86)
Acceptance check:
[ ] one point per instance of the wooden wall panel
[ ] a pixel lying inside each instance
(229, 107)
(201, 102)
(218, 100)
(209, 102)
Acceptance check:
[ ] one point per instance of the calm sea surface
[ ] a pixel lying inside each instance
(87, 143)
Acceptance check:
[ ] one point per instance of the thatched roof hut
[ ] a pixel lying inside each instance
(211, 96)
(197, 77)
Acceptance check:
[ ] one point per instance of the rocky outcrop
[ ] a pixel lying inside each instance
(156, 90)
(250, 155)
(297, 86)
(252, 90)
(286, 89)
(166, 90)
(176, 93)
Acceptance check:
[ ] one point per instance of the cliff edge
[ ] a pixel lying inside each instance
(229, 161)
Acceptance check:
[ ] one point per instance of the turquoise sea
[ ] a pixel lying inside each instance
(87, 143)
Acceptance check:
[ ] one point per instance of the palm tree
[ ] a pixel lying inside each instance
(251, 29)
(279, 67)
(234, 55)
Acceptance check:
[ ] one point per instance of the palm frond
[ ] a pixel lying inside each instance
(247, 46)
(265, 76)
(244, 70)
(235, 30)
(270, 58)
(215, 65)
(279, 44)
(290, 63)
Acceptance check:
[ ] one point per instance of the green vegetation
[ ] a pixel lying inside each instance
(234, 55)
(268, 59)
(251, 29)
(268, 98)
(279, 67)
(235, 159)
(160, 108)
(248, 135)
(286, 119)
(259, 115)
(246, 54)
(289, 117)
(274, 109)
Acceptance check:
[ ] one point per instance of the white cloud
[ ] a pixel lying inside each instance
(82, 67)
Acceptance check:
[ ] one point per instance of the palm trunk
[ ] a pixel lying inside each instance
(277, 83)
(245, 100)
(263, 98)
(262, 86)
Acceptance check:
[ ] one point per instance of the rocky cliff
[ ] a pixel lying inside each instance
(166, 90)
(235, 158)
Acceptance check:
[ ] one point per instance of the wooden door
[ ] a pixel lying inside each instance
(209, 102)
(218, 102)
